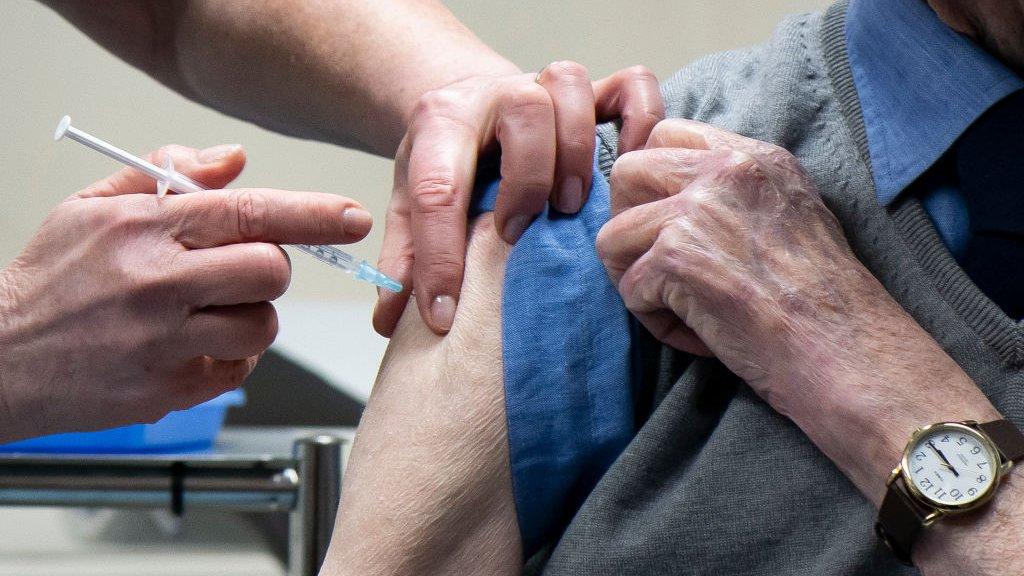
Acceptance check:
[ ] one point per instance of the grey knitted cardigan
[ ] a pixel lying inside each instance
(694, 493)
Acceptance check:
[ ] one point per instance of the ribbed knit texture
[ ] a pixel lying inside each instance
(716, 482)
(988, 321)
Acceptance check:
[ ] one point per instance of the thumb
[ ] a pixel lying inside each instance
(213, 167)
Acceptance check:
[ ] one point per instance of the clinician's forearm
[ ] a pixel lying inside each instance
(343, 71)
(428, 488)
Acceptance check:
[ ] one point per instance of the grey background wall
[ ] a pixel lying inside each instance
(49, 69)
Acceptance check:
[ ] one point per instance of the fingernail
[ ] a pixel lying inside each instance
(357, 221)
(443, 311)
(217, 153)
(515, 228)
(570, 197)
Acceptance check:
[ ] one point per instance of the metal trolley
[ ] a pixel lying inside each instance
(292, 470)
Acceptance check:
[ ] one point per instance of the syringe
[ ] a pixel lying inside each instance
(168, 179)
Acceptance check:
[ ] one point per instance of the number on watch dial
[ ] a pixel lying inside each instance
(951, 467)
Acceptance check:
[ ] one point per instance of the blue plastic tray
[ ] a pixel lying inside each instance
(186, 430)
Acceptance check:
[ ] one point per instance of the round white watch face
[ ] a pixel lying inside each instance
(951, 466)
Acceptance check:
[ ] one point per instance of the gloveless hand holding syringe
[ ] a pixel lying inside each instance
(168, 179)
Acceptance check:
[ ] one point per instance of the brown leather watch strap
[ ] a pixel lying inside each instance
(900, 519)
(1007, 438)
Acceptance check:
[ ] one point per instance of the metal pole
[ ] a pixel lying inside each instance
(312, 521)
(96, 485)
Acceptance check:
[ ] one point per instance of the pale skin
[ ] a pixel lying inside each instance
(825, 346)
(366, 74)
(850, 385)
(125, 306)
(448, 188)
(136, 336)
(453, 126)
(433, 438)
(721, 246)
(428, 487)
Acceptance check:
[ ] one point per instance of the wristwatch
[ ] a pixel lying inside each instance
(947, 468)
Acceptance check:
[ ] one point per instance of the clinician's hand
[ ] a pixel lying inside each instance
(125, 306)
(544, 126)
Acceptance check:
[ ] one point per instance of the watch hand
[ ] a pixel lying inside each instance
(944, 460)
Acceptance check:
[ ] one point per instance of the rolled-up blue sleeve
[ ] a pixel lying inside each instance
(566, 341)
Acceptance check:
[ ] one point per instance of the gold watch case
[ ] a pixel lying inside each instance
(967, 428)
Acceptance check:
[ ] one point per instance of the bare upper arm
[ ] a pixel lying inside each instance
(428, 489)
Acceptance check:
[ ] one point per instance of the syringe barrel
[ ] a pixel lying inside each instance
(114, 152)
(183, 184)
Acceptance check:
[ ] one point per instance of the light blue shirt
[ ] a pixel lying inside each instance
(921, 85)
(567, 346)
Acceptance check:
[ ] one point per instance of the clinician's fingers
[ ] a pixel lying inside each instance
(397, 261)
(525, 129)
(634, 95)
(231, 332)
(220, 217)
(646, 176)
(442, 164)
(397, 253)
(234, 274)
(572, 96)
(213, 167)
(204, 378)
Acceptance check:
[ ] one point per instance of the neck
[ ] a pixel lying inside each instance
(998, 27)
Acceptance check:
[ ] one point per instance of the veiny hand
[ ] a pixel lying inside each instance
(721, 245)
(125, 306)
(545, 130)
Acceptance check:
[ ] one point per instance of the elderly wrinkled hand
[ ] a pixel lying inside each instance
(722, 246)
(125, 306)
(544, 125)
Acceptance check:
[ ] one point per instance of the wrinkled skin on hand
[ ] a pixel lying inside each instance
(722, 246)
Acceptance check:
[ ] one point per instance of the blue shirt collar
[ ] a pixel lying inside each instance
(920, 85)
